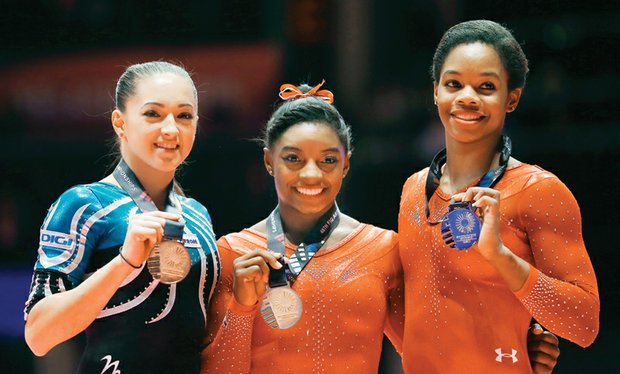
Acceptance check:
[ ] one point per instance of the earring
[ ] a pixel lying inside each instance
(269, 170)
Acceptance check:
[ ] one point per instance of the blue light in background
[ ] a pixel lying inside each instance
(16, 283)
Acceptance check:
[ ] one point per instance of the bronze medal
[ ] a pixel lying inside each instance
(169, 261)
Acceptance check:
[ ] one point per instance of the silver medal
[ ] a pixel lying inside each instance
(281, 307)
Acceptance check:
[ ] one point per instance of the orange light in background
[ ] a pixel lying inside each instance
(76, 91)
(308, 20)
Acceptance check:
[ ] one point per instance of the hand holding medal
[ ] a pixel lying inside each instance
(486, 201)
(251, 275)
(460, 226)
(144, 231)
(281, 306)
(169, 261)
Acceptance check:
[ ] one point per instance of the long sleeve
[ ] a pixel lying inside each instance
(229, 336)
(395, 319)
(561, 290)
(345, 291)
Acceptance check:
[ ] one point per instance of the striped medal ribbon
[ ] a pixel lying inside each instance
(282, 307)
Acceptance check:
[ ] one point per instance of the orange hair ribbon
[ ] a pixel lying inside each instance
(292, 92)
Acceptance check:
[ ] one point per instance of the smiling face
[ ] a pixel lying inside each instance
(308, 163)
(158, 126)
(472, 94)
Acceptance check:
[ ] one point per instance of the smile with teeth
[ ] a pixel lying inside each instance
(167, 146)
(309, 191)
(468, 116)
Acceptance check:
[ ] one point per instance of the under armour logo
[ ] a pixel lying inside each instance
(500, 355)
(110, 364)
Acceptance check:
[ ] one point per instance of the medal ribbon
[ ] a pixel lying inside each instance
(311, 244)
(128, 181)
(488, 179)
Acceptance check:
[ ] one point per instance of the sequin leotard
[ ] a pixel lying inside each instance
(349, 292)
(460, 315)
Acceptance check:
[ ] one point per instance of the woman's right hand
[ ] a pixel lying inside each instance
(543, 349)
(251, 275)
(143, 232)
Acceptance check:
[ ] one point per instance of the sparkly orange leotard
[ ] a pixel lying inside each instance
(460, 315)
(349, 293)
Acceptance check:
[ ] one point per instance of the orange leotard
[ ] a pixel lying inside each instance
(460, 315)
(350, 294)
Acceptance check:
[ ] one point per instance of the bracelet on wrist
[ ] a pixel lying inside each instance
(120, 252)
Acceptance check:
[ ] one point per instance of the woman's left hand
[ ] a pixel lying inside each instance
(487, 202)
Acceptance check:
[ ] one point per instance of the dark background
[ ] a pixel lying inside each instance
(59, 61)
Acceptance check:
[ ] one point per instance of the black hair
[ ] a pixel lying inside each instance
(305, 109)
(487, 32)
(126, 85)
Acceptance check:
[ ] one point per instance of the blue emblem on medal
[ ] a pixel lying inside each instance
(461, 227)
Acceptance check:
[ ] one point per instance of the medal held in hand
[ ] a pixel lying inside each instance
(281, 307)
(169, 261)
(461, 226)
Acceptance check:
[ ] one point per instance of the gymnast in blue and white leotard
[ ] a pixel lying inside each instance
(91, 273)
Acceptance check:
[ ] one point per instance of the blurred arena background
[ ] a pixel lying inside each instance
(59, 61)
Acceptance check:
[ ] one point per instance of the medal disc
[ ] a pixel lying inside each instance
(169, 262)
(464, 225)
(281, 307)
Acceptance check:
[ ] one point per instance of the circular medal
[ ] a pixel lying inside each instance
(461, 229)
(281, 307)
(169, 261)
